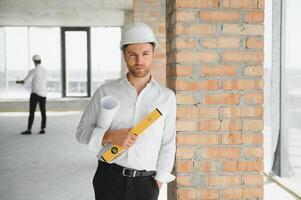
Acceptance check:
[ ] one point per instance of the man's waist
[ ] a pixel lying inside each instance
(124, 171)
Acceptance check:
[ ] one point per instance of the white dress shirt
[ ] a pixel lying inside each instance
(36, 80)
(155, 148)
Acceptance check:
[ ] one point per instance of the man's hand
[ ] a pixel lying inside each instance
(120, 137)
(159, 184)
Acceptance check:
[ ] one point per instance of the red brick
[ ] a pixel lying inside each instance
(221, 42)
(194, 29)
(187, 43)
(185, 99)
(243, 56)
(243, 29)
(239, 3)
(200, 85)
(197, 57)
(183, 180)
(219, 16)
(252, 138)
(261, 4)
(253, 125)
(196, 4)
(185, 125)
(242, 84)
(242, 166)
(182, 70)
(184, 166)
(242, 193)
(194, 112)
(185, 153)
(205, 166)
(199, 194)
(185, 16)
(225, 98)
(254, 43)
(209, 125)
(250, 193)
(228, 42)
(253, 152)
(241, 111)
(252, 179)
(253, 98)
(196, 139)
(231, 125)
(220, 153)
(254, 17)
(231, 138)
(218, 70)
(253, 71)
(222, 181)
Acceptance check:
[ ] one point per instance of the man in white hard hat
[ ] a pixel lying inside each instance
(37, 81)
(138, 173)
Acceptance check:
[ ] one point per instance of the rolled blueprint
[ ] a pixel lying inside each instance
(109, 106)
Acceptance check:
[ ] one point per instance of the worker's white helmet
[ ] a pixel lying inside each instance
(36, 58)
(137, 32)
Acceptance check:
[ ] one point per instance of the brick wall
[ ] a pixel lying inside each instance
(215, 65)
(152, 12)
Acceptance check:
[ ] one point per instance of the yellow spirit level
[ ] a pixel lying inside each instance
(116, 150)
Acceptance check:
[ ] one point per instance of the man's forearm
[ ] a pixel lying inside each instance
(106, 138)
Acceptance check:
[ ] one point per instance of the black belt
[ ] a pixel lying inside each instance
(128, 172)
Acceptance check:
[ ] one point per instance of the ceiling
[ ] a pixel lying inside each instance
(63, 12)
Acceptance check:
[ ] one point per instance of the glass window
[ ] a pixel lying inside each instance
(14, 61)
(50, 51)
(17, 46)
(76, 63)
(291, 96)
(105, 54)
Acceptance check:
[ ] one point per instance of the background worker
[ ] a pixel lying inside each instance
(139, 172)
(36, 79)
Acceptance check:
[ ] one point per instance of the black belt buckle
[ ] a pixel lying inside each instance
(129, 172)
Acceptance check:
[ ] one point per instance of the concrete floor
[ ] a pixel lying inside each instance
(54, 166)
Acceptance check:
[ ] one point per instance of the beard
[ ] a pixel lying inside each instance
(139, 71)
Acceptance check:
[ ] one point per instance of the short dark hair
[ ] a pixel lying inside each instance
(126, 45)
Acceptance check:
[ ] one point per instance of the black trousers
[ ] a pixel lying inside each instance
(110, 184)
(34, 100)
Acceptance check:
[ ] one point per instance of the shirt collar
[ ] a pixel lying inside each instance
(151, 81)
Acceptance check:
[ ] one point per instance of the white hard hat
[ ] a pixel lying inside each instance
(137, 32)
(36, 58)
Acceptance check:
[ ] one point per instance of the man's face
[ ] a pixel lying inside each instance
(139, 59)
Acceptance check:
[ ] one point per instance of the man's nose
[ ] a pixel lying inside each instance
(139, 59)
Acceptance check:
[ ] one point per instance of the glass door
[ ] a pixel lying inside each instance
(76, 61)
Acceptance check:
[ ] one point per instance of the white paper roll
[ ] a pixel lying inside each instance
(109, 107)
